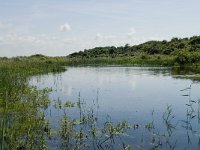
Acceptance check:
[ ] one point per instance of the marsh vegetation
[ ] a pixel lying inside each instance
(46, 105)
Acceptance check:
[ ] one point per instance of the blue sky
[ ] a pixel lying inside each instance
(61, 27)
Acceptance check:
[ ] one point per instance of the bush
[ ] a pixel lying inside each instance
(186, 57)
(144, 56)
(183, 57)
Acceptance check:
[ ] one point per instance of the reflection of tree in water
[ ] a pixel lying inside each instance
(191, 73)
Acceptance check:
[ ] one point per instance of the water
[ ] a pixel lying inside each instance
(139, 96)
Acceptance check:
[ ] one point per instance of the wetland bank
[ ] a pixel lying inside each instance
(98, 108)
(86, 101)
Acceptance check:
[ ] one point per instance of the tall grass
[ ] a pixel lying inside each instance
(22, 125)
(141, 60)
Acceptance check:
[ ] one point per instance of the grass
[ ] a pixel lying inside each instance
(33, 65)
(37, 64)
(142, 60)
(22, 122)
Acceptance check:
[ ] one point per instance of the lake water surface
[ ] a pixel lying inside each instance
(162, 111)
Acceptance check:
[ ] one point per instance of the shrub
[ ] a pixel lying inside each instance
(183, 57)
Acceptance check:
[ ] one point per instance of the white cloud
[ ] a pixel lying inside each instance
(16, 38)
(99, 36)
(15, 44)
(132, 32)
(104, 37)
(4, 25)
(65, 27)
(70, 40)
(156, 38)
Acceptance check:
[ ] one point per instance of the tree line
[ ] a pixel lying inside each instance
(186, 50)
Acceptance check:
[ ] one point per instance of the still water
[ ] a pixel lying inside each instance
(161, 110)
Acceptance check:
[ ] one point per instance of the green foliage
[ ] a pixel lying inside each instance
(22, 125)
(140, 60)
(165, 53)
(35, 64)
(150, 48)
(69, 104)
(183, 57)
(187, 57)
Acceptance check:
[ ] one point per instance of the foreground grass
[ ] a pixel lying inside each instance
(22, 123)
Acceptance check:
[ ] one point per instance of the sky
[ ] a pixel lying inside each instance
(60, 27)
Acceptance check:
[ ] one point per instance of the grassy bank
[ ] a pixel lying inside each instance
(143, 60)
(22, 121)
(37, 64)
